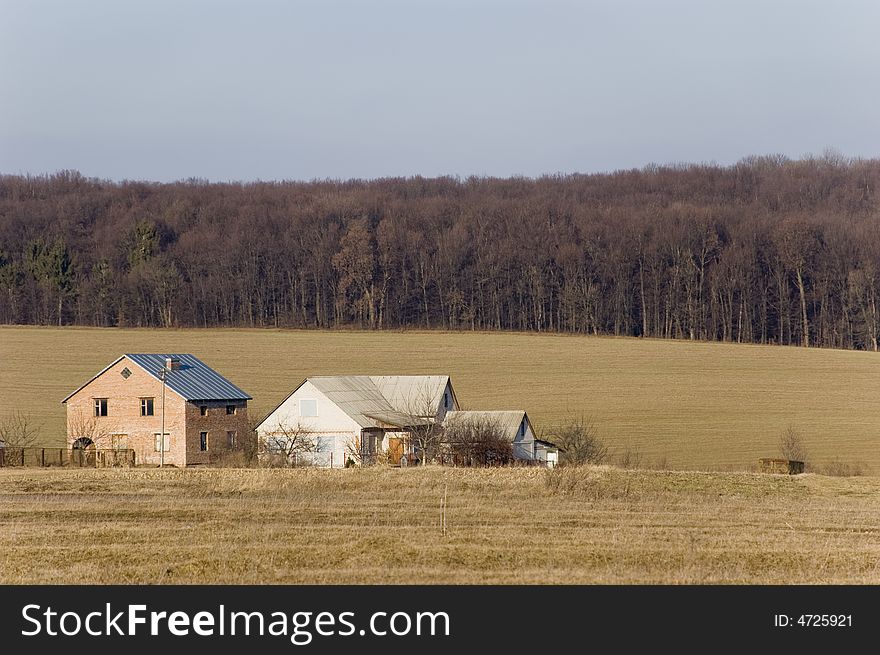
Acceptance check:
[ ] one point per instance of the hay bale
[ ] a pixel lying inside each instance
(780, 466)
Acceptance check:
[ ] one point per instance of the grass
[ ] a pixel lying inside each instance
(689, 405)
(380, 525)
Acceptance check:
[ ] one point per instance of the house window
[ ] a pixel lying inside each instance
(308, 408)
(203, 410)
(100, 407)
(125, 373)
(446, 401)
(369, 444)
(230, 438)
(119, 441)
(203, 441)
(230, 409)
(158, 445)
(146, 407)
(522, 429)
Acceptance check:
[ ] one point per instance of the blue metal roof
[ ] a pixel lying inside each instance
(194, 380)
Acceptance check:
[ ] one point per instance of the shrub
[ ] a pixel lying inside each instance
(580, 443)
(839, 469)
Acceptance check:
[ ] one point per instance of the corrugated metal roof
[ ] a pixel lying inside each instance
(194, 380)
(508, 420)
(398, 400)
(412, 394)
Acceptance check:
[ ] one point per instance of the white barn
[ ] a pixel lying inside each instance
(352, 415)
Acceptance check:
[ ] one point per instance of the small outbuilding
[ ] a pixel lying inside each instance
(515, 425)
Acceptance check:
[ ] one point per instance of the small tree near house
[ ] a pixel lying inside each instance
(478, 442)
(287, 446)
(425, 434)
(89, 432)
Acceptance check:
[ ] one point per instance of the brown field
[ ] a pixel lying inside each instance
(677, 404)
(381, 525)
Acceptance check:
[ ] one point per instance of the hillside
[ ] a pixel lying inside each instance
(677, 404)
(769, 250)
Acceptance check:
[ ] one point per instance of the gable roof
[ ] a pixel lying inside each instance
(412, 394)
(398, 400)
(194, 380)
(374, 401)
(507, 420)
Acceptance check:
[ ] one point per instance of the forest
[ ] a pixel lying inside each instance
(768, 250)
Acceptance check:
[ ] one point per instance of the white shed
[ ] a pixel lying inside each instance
(515, 424)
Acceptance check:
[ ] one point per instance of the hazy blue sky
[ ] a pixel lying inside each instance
(265, 89)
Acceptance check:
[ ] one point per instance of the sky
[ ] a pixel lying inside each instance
(300, 90)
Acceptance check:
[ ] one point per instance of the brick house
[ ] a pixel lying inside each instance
(121, 408)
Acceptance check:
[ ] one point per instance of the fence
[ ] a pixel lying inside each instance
(39, 457)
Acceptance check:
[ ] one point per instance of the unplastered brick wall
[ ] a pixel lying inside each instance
(217, 423)
(124, 415)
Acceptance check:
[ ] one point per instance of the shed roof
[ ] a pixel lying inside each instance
(194, 380)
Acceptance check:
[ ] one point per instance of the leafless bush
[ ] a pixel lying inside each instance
(662, 463)
(580, 443)
(478, 442)
(630, 458)
(839, 469)
(791, 444)
(589, 483)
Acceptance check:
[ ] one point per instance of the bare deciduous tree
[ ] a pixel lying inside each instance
(791, 444)
(86, 428)
(18, 430)
(287, 445)
(580, 442)
(768, 250)
(425, 434)
(478, 442)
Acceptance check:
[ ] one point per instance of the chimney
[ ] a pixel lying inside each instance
(172, 363)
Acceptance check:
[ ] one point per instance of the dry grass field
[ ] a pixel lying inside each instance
(380, 525)
(678, 404)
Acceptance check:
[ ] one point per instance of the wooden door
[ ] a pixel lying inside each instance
(395, 450)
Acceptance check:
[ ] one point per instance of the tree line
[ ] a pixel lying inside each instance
(769, 250)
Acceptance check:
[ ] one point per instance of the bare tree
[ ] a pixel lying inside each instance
(287, 445)
(791, 444)
(88, 431)
(580, 442)
(18, 430)
(425, 434)
(478, 442)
